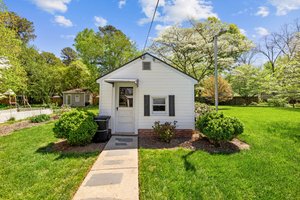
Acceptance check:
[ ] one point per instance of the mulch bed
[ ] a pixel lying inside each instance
(63, 147)
(195, 142)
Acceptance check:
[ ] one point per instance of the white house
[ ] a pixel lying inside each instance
(146, 90)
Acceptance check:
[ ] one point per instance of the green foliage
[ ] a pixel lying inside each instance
(277, 102)
(21, 26)
(40, 118)
(12, 75)
(165, 131)
(78, 127)
(202, 109)
(217, 127)
(77, 75)
(244, 80)
(12, 119)
(107, 49)
(68, 55)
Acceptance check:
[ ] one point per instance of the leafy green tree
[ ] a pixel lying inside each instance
(23, 27)
(107, 49)
(45, 72)
(288, 78)
(68, 55)
(192, 51)
(12, 75)
(244, 80)
(77, 75)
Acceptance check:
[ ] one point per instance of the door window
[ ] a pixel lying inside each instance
(126, 97)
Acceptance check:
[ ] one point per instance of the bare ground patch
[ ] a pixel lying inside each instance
(7, 129)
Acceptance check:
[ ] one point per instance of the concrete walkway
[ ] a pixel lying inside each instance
(114, 175)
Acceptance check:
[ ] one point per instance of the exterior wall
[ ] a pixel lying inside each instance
(73, 103)
(161, 81)
(178, 133)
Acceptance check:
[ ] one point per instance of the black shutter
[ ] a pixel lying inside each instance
(171, 105)
(146, 105)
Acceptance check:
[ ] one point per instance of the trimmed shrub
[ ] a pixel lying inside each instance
(78, 127)
(202, 109)
(216, 127)
(165, 131)
(40, 118)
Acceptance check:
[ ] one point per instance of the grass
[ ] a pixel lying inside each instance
(29, 170)
(269, 170)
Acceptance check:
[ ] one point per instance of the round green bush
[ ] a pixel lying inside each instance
(78, 127)
(203, 121)
(216, 127)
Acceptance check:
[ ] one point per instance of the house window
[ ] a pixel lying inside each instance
(77, 98)
(159, 105)
(126, 97)
(146, 65)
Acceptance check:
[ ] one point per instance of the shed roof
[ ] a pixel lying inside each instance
(77, 90)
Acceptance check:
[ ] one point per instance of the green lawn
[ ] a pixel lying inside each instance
(269, 170)
(28, 170)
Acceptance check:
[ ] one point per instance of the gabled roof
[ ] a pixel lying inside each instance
(154, 58)
(77, 90)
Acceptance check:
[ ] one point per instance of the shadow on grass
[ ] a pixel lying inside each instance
(187, 164)
(64, 150)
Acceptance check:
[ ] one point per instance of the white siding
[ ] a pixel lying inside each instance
(161, 80)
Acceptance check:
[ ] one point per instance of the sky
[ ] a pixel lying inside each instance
(57, 22)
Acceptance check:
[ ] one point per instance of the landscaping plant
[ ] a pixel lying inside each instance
(202, 108)
(40, 118)
(78, 127)
(217, 128)
(165, 131)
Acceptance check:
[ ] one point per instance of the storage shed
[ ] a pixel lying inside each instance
(77, 97)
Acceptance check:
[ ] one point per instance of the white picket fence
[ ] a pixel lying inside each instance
(5, 115)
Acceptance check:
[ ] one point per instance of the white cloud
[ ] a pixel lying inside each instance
(262, 31)
(52, 6)
(122, 3)
(100, 21)
(285, 6)
(243, 31)
(262, 11)
(160, 28)
(176, 11)
(68, 37)
(62, 21)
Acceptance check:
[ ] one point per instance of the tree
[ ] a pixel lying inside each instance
(45, 72)
(244, 80)
(224, 89)
(23, 27)
(68, 55)
(77, 75)
(12, 75)
(3, 7)
(192, 51)
(107, 49)
(288, 79)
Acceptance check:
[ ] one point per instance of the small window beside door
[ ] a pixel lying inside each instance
(146, 65)
(126, 97)
(159, 105)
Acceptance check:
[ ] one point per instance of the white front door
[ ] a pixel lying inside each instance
(125, 109)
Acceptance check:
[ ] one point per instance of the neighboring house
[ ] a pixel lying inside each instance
(77, 97)
(146, 90)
